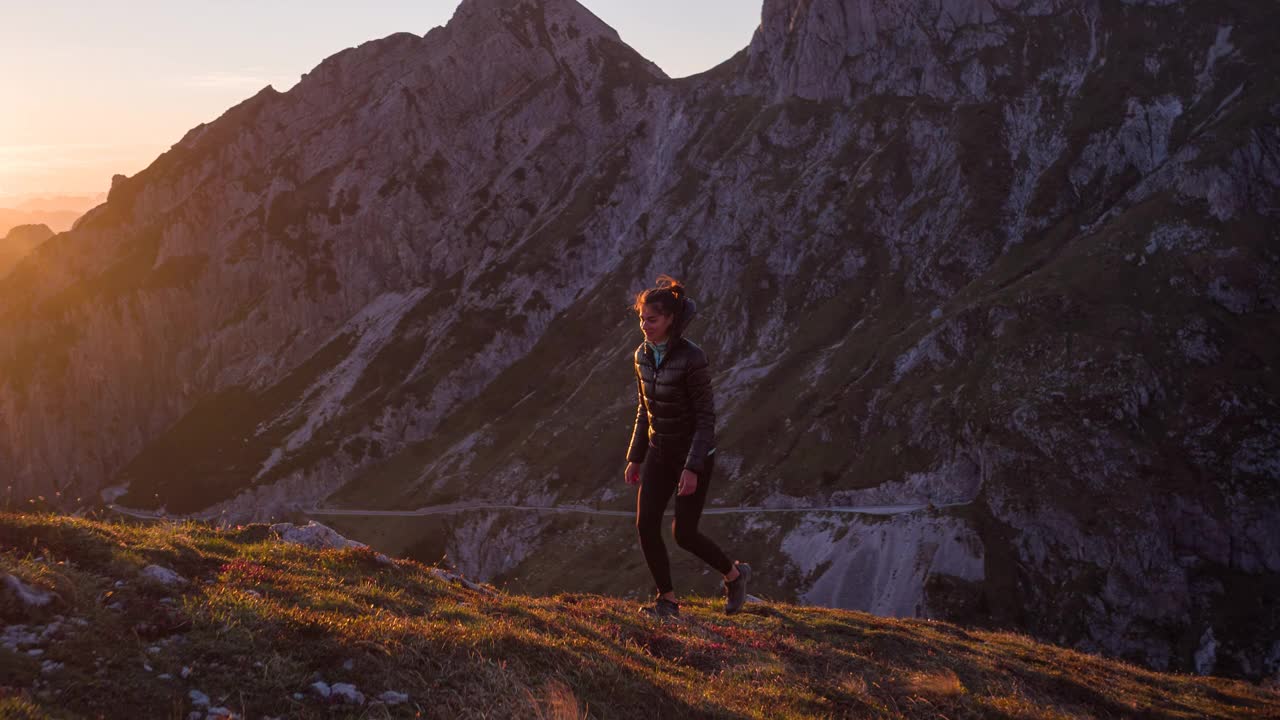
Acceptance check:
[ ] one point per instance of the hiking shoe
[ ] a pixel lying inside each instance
(736, 590)
(661, 608)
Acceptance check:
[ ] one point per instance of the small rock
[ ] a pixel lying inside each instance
(165, 676)
(198, 698)
(391, 697)
(119, 583)
(348, 665)
(348, 693)
(219, 712)
(49, 666)
(146, 666)
(298, 696)
(162, 575)
(34, 597)
(186, 672)
(35, 652)
(16, 635)
(313, 534)
(451, 577)
(321, 688)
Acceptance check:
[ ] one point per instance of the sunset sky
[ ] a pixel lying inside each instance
(92, 89)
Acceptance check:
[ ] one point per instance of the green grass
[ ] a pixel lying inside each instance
(262, 619)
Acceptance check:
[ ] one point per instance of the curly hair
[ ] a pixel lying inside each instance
(668, 294)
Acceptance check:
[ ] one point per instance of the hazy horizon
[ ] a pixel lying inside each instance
(103, 91)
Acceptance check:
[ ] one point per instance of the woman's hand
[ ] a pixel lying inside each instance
(632, 474)
(688, 483)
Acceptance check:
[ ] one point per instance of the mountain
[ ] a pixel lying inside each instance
(19, 241)
(58, 220)
(1012, 260)
(56, 201)
(280, 620)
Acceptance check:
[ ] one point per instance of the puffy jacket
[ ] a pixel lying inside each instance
(675, 409)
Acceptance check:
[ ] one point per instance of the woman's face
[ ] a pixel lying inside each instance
(654, 324)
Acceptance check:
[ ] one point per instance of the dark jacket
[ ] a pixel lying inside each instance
(675, 409)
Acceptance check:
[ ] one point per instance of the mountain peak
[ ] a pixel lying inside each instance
(535, 15)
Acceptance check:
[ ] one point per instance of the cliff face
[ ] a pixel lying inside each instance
(1016, 256)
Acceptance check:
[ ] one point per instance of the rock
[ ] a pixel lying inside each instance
(30, 596)
(460, 580)
(391, 697)
(219, 713)
(198, 698)
(348, 693)
(162, 575)
(321, 688)
(1207, 654)
(16, 636)
(313, 534)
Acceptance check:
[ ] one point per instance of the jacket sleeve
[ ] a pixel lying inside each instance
(698, 384)
(640, 432)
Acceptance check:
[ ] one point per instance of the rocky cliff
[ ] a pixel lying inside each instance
(1017, 257)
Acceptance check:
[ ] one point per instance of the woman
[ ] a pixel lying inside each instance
(673, 444)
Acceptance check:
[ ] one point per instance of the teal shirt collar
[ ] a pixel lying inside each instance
(658, 349)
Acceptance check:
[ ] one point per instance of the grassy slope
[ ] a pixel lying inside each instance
(458, 652)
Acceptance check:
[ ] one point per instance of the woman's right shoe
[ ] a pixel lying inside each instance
(661, 608)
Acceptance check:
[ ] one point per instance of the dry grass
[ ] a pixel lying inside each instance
(261, 620)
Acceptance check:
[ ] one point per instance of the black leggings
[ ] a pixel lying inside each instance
(659, 476)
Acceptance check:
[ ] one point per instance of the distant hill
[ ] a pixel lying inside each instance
(54, 202)
(56, 220)
(20, 241)
(120, 620)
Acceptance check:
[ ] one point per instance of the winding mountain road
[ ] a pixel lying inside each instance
(583, 509)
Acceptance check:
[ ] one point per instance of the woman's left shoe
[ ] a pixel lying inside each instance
(736, 589)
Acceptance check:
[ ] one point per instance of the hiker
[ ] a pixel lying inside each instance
(673, 444)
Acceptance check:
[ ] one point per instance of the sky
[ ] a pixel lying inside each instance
(95, 88)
